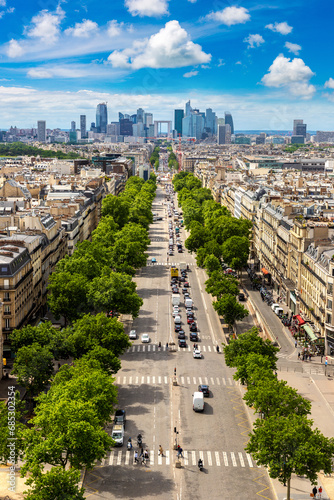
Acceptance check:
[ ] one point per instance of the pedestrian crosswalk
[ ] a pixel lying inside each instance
(170, 264)
(155, 348)
(182, 380)
(190, 458)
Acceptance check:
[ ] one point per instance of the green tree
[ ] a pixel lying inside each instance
(90, 331)
(105, 232)
(211, 264)
(247, 343)
(219, 284)
(116, 207)
(55, 484)
(200, 256)
(33, 368)
(67, 295)
(272, 397)
(289, 445)
(235, 251)
(231, 309)
(198, 237)
(253, 367)
(116, 292)
(106, 359)
(127, 256)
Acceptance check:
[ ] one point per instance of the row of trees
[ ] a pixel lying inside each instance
(215, 236)
(154, 159)
(172, 161)
(21, 149)
(72, 408)
(283, 439)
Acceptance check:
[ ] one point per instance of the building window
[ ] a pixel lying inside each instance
(6, 283)
(329, 304)
(329, 318)
(330, 288)
(6, 309)
(7, 323)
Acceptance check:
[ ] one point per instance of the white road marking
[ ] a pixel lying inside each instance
(188, 380)
(193, 456)
(127, 458)
(143, 380)
(153, 348)
(103, 462)
(225, 458)
(133, 348)
(212, 381)
(241, 458)
(185, 453)
(206, 380)
(144, 346)
(159, 460)
(209, 348)
(230, 381)
(111, 458)
(152, 458)
(217, 458)
(119, 458)
(194, 379)
(124, 380)
(249, 459)
(118, 381)
(234, 462)
(153, 380)
(209, 458)
(218, 381)
(148, 380)
(200, 380)
(130, 380)
(204, 348)
(166, 380)
(224, 381)
(167, 457)
(137, 380)
(182, 380)
(148, 348)
(159, 380)
(201, 455)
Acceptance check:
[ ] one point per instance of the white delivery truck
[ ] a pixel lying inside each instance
(183, 266)
(198, 401)
(176, 299)
(188, 303)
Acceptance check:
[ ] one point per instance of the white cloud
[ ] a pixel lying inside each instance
(150, 8)
(46, 26)
(291, 74)
(190, 74)
(238, 62)
(221, 62)
(254, 41)
(293, 47)
(14, 49)
(230, 15)
(83, 30)
(192, 1)
(114, 28)
(2, 3)
(282, 28)
(39, 73)
(329, 84)
(171, 47)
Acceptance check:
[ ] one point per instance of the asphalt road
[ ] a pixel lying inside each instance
(155, 407)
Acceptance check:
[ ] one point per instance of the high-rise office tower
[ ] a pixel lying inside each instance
(101, 118)
(125, 126)
(188, 109)
(224, 134)
(210, 121)
(178, 117)
(73, 126)
(133, 118)
(301, 129)
(41, 130)
(193, 125)
(148, 119)
(229, 121)
(83, 131)
(140, 115)
(295, 124)
(120, 116)
(113, 128)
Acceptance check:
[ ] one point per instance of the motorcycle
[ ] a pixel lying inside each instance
(200, 464)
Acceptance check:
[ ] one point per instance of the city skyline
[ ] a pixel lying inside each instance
(257, 61)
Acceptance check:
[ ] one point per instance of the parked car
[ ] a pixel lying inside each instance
(242, 297)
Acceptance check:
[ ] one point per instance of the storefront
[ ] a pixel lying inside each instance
(330, 344)
(266, 276)
(310, 336)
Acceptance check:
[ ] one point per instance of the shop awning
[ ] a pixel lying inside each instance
(312, 336)
(299, 319)
(264, 270)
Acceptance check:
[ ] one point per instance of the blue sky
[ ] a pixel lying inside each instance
(266, 63)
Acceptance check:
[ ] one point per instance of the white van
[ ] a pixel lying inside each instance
(177, 320)
(274, 306)
(279, 311)
(188, 303)
(118, 434)
(198, 401)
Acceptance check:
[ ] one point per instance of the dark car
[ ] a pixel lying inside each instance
(205, 389)
(193, 336)
(181, 334)
(182, 279)
(186, 295)
(242, 297)
(190, 320)
(182, 343)
(179, 250)
(184, 289)
(120, 417)
(193, 327)
(177, 327)
(186, 284)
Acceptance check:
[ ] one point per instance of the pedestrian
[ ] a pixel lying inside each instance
(320, 491)
(315, 491)
(299, 355)
(141, 452)
(310, 356)
(295, 343)
(174, 372)
(179, 452)
(136, 457)
(161, 451)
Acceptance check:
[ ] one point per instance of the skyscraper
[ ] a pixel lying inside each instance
(140, 115)
(301, 129)
(224, 134)
(41, 130)
(73, 126)
(229, 121)
(210, 121)
(148, 119)
(83, 126)
(101, 118)
(178, 116)
(295, 124)
(125, 126)
(188, 108)
(193, 125)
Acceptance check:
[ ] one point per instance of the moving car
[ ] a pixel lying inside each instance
(193, 327)
(193, 336)
(145, 338)
(190, 320)
(241, 297)
(177, 327)
(153, 259)
(182, 343)
(181, 335)
(133, 335)
(117, 434)
(197, 354)
(120, 417)
(205, 389)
